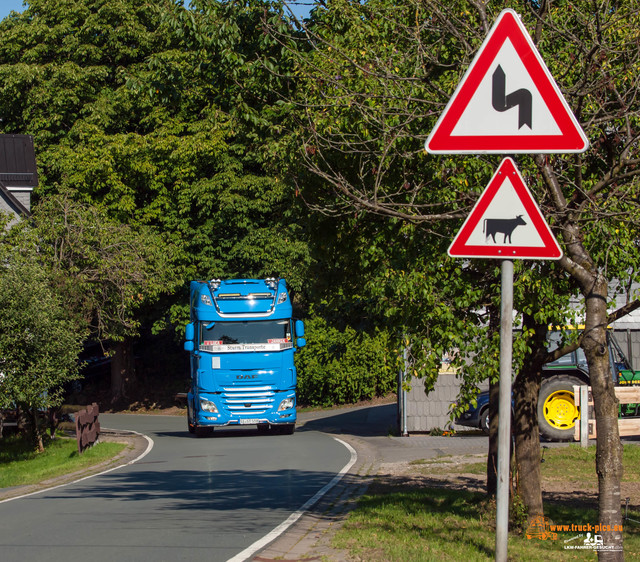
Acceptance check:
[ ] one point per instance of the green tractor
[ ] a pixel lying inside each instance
(557, 411)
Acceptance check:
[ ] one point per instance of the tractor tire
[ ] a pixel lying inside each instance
(557, 412)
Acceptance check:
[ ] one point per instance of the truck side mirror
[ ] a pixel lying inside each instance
(299, 328)
(189, 335)
(301, 342)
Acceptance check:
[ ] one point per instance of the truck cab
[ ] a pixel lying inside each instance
(241, 340)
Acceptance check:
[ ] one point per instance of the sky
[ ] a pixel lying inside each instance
(7, 5)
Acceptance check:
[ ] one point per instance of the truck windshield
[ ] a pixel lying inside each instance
(246, 333)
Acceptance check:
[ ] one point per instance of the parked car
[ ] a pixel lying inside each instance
(478, 416)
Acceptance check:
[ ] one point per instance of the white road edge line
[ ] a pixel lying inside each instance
(146, 452)
(275, 533)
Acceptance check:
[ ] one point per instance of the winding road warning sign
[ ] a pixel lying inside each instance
(507, 102)
(506, 222)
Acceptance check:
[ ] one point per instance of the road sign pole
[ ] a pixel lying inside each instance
(506, 103)
(504, 415)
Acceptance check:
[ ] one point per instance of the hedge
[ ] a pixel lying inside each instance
(343, 367)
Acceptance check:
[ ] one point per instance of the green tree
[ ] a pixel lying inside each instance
(375, 76)
(132, 119)
(105, 270)
(39, 341)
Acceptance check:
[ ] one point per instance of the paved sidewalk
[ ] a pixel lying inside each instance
(369, 431)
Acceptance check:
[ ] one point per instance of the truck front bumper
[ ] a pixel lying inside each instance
(209, 411)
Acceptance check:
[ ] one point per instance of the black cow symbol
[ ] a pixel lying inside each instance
(491, 227)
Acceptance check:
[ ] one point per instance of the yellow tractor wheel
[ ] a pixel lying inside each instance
(557, 411)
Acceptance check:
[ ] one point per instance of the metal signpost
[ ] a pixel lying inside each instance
(506, 103)
(505, 223)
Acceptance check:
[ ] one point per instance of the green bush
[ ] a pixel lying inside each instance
(343, 367)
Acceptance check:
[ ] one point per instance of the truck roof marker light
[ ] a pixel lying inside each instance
(271, 282)
(215, 284)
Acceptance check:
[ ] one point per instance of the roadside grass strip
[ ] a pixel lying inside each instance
(406, 519)
(434, 524)
(571, 463)
(21, 465)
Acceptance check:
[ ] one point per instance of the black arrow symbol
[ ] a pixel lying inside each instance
(521, 98)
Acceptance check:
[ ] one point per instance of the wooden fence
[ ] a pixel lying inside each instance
(585, 428)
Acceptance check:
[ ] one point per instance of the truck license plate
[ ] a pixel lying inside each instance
(249, 421)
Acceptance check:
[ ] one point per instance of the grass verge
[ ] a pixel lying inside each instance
(562, 464)
(21, 465)
(404, 519)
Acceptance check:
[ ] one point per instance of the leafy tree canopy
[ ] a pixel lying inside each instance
(39, 339)
(132, 118)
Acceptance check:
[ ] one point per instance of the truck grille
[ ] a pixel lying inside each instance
(252, 400)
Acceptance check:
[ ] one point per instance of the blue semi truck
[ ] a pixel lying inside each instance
(241, 341)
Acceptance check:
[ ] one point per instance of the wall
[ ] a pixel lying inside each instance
(427, 412)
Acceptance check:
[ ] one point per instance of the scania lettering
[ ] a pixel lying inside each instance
(241, 339)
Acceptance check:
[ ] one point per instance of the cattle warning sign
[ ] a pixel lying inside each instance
(506, 222)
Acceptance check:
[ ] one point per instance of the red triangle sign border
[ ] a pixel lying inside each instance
(572, 138)
(460, 247)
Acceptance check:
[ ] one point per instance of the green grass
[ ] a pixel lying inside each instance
(571, 464)
(434, 524)
(412, 522)
(20, 464)
(577, 464)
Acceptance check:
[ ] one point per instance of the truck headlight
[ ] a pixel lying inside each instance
(286, 404)
(208, 406)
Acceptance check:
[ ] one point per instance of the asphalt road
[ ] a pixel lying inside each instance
(188, 499)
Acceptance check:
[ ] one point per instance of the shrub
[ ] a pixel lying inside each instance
(343, 367)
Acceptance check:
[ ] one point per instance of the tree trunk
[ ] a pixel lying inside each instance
(594, 286)
(609, 447)
(494, 403)
(54, 420)
(525, 423)
(37, 430)
(122, 369)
